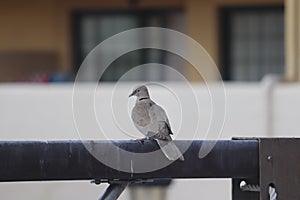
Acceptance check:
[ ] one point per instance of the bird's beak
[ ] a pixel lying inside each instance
(133, 93)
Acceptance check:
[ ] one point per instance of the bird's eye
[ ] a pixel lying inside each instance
(138, 90)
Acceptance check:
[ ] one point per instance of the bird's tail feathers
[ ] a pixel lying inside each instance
(170, 150)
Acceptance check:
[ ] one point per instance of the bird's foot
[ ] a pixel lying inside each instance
(142, 140)
(151, 137)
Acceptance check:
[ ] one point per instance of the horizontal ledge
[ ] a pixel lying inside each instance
(79, 160)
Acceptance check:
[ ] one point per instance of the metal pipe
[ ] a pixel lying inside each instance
(269, 83)
(113, 191)
(70, 160)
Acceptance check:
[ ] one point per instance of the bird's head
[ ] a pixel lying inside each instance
(140, 92)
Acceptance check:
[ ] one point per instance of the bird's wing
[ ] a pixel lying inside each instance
(160, 121)
(163, 138)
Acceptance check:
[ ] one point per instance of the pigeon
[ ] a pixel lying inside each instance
(152, 121)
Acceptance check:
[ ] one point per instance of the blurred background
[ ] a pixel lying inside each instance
(255, 44)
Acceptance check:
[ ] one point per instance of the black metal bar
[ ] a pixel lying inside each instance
(279, 167)
(70, 160)
(113, 191)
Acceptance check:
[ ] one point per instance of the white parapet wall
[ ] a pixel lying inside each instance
(45, 112)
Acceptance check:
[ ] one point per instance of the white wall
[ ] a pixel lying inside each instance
(44, 112)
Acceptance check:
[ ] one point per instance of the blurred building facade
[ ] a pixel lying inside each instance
(246, 38)
(45, 41)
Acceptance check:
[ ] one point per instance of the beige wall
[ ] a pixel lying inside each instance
(35, 25)
(292, 38)
(27, 26)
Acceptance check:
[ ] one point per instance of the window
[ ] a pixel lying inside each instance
(252, 42)
(91, 28)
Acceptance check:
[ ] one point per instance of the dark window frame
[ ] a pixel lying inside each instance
(225, 36)
(76, 16)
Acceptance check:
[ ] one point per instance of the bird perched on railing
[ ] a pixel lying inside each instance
(152, 121)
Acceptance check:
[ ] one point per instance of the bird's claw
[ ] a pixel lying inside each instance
(142, 140)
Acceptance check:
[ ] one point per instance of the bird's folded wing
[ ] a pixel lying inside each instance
(157, 114)
(160, 120)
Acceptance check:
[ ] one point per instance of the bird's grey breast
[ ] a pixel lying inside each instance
(140, 114)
